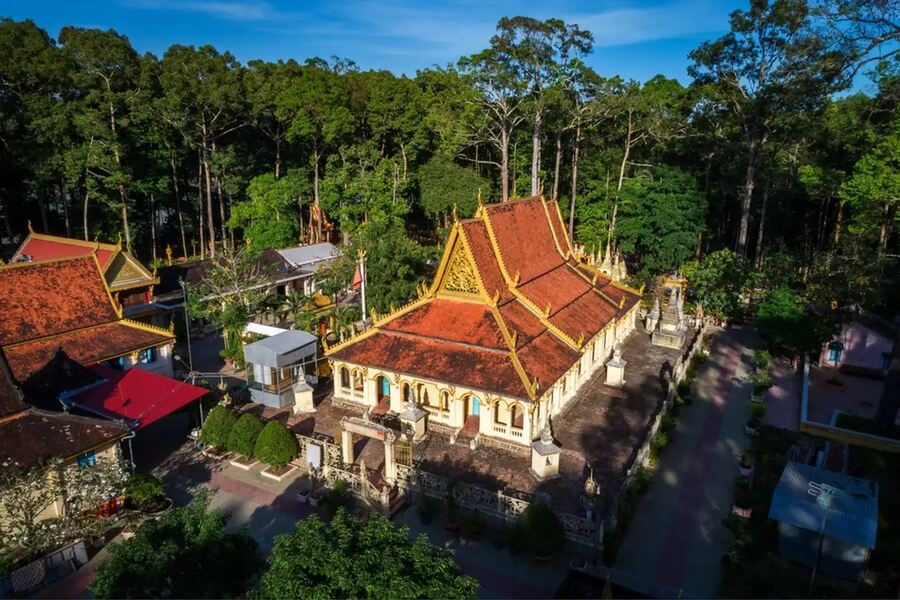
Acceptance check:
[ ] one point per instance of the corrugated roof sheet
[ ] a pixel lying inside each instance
(852, 515)
(312, 253)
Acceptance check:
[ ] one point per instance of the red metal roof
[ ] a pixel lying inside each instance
(42, 248)
(137, 395)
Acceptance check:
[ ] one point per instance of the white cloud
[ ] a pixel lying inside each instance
(249, 10)
(623, 26)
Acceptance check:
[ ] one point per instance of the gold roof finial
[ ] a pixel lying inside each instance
(480, 203)
(30, 228)
(581, 339)
(119, 241)
(454, 213)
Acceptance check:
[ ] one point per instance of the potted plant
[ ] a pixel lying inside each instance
(544, 533)
(276, 446)
(146, 493)
(427, 509)
(217, 428)
(242, 440)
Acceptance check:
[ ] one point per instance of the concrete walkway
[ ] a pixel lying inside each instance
(676, 540)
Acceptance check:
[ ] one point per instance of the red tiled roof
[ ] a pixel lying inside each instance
(44, 248)
(460, 341)
(49, 298)
(464, 322)
(450, 362)
(137, 395)
(87, 346)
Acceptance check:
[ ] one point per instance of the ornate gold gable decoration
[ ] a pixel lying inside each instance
(460, 277)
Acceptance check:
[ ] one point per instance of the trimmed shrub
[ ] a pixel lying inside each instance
(217, 427)
(666, 423)
(143, 488)
(761, 359)
(244, 434)
(276, 446)
(544, 533)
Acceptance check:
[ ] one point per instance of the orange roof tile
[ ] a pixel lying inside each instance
(86, 346)
(460, 339)
(48, 298)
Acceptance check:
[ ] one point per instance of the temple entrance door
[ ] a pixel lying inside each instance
(475, 409)
(384, 387)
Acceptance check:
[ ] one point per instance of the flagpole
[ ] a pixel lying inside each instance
(362, 283)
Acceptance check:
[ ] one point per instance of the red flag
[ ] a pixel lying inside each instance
(357, 280)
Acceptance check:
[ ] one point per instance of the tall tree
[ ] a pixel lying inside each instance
(203, 99)
(769, 64)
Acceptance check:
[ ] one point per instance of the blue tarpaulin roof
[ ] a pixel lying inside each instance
(853, 511)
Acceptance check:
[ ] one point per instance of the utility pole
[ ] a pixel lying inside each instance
(187, 322)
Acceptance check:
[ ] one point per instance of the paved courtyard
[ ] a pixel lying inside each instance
(675, 542)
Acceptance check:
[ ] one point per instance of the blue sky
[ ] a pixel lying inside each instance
(635, 39)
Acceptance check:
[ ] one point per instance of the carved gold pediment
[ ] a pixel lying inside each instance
(461, 277)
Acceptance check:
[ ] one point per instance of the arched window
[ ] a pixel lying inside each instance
(345, 377)
(516, 416)
(445, 401)
(500, 411)
(358, 381)
(407, 393)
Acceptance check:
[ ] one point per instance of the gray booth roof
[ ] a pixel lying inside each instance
(281, 350)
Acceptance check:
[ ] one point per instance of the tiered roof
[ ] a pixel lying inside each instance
(121, 270)
(509, 312)
(64, 304)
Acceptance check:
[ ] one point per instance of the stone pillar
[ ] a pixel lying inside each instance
(396, 398)
(390, 472)
(527, 421)
(347, 447)
(545, 456)
(370, 392)
(615, 369)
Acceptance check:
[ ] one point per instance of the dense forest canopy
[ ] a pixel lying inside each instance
(767, 153)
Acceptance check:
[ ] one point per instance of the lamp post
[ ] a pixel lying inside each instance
(824, 501)
(187, 322)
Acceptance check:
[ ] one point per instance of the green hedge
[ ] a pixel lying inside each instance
(276, 445)
(544, 533)
(244, 434)
(217, 427)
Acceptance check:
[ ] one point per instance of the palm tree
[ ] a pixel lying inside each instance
(342, 320)
(293, 305)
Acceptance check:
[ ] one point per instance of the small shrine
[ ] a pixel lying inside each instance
(665, 321)
(615, 369)
(545, 456)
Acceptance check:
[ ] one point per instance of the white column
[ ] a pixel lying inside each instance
(347, 447)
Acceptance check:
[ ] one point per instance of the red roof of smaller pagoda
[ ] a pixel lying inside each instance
(40, 247)
(136, 395)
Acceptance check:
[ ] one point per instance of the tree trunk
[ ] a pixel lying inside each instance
(221, 208)
(504, 166)
(838, 222)
(746, 202)
(200, 202)
(318, 233)
(42, 206)
(536, 153)
(87, 195)
(762, 225)
(556, 165)
(885, 234)
(405, 161)
(699, 250)
(574, 180)
(123, 196)
(64, 195)
(153, 226)
(210, 222)
(626, 154)
(184, 247)
(277, 156)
